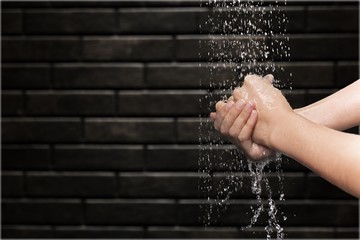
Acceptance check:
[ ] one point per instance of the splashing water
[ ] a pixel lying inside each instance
(244, 37)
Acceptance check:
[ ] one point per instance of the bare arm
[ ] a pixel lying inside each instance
(331, 110)
(334, 155)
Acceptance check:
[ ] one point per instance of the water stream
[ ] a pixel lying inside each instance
(242, 37)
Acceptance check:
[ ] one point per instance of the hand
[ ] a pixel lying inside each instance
(236, 121)
(271, 106)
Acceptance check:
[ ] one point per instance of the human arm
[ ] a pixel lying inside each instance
(332, 154)
(330, 111)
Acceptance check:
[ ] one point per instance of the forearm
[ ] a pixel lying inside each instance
(331, 110)
(333, 155)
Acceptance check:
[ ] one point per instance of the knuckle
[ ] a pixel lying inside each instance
(223, 130)
(233, 132)
(241, 138)
(217, 106)
(249, 78)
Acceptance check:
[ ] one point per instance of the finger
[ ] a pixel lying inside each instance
(231, 116)
(219, 105)
(220, 115)
(250, 77)
(249, 126)
(213, 116)
(237, 94)
(241, 120)
(231, 98)
(269, 78)
(245, 135)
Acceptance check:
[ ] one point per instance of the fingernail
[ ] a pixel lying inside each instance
(239, 104)
(249, 106)
(229, 105)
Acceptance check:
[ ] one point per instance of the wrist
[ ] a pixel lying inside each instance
(300, 111)
(283, 126)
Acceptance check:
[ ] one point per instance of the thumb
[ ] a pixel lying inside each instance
(237, 94)
(269, 78)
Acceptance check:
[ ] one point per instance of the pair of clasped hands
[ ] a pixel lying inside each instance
(250, 115)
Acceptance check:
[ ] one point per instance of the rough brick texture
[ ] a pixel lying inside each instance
(100, 119)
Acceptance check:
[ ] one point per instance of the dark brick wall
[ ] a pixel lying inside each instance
(100, 105)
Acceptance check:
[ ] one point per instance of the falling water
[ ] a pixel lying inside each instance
(243, 37)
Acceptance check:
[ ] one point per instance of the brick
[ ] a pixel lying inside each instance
(168, 158)
(173, 20)
(306, 74)
(299, 213)
(161, 103)
(139, 48)
(290, 165)
(11, 21)
(195, 48)
(311, 3)
(346, 73)
(99, 157)
(142, 212)
(322, 213)
(43, 184)
(188, 131)
(333, 19)
(347, 232)
(189, 75)
(190, 157)
(319, 188)
(126, 4)
(25, 157)
(25, 5)
(296, 98)
(42, 212)
(26, 231)
(89, 21)
(266, 18)
(12, 184)
(98, 76)
(296, 19)
(41, 130)
(316, 46)
(235, 215)
(39, 49)
(158, 185)
(12, 103)
(130, 130)
(25, 76)
(194, 232)
(98, 232)
(194, 158)
(230, 20)
(70, 103)
(316, 95)
(234, 232)
(185, 75)
(238, 185)
(309, 232)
